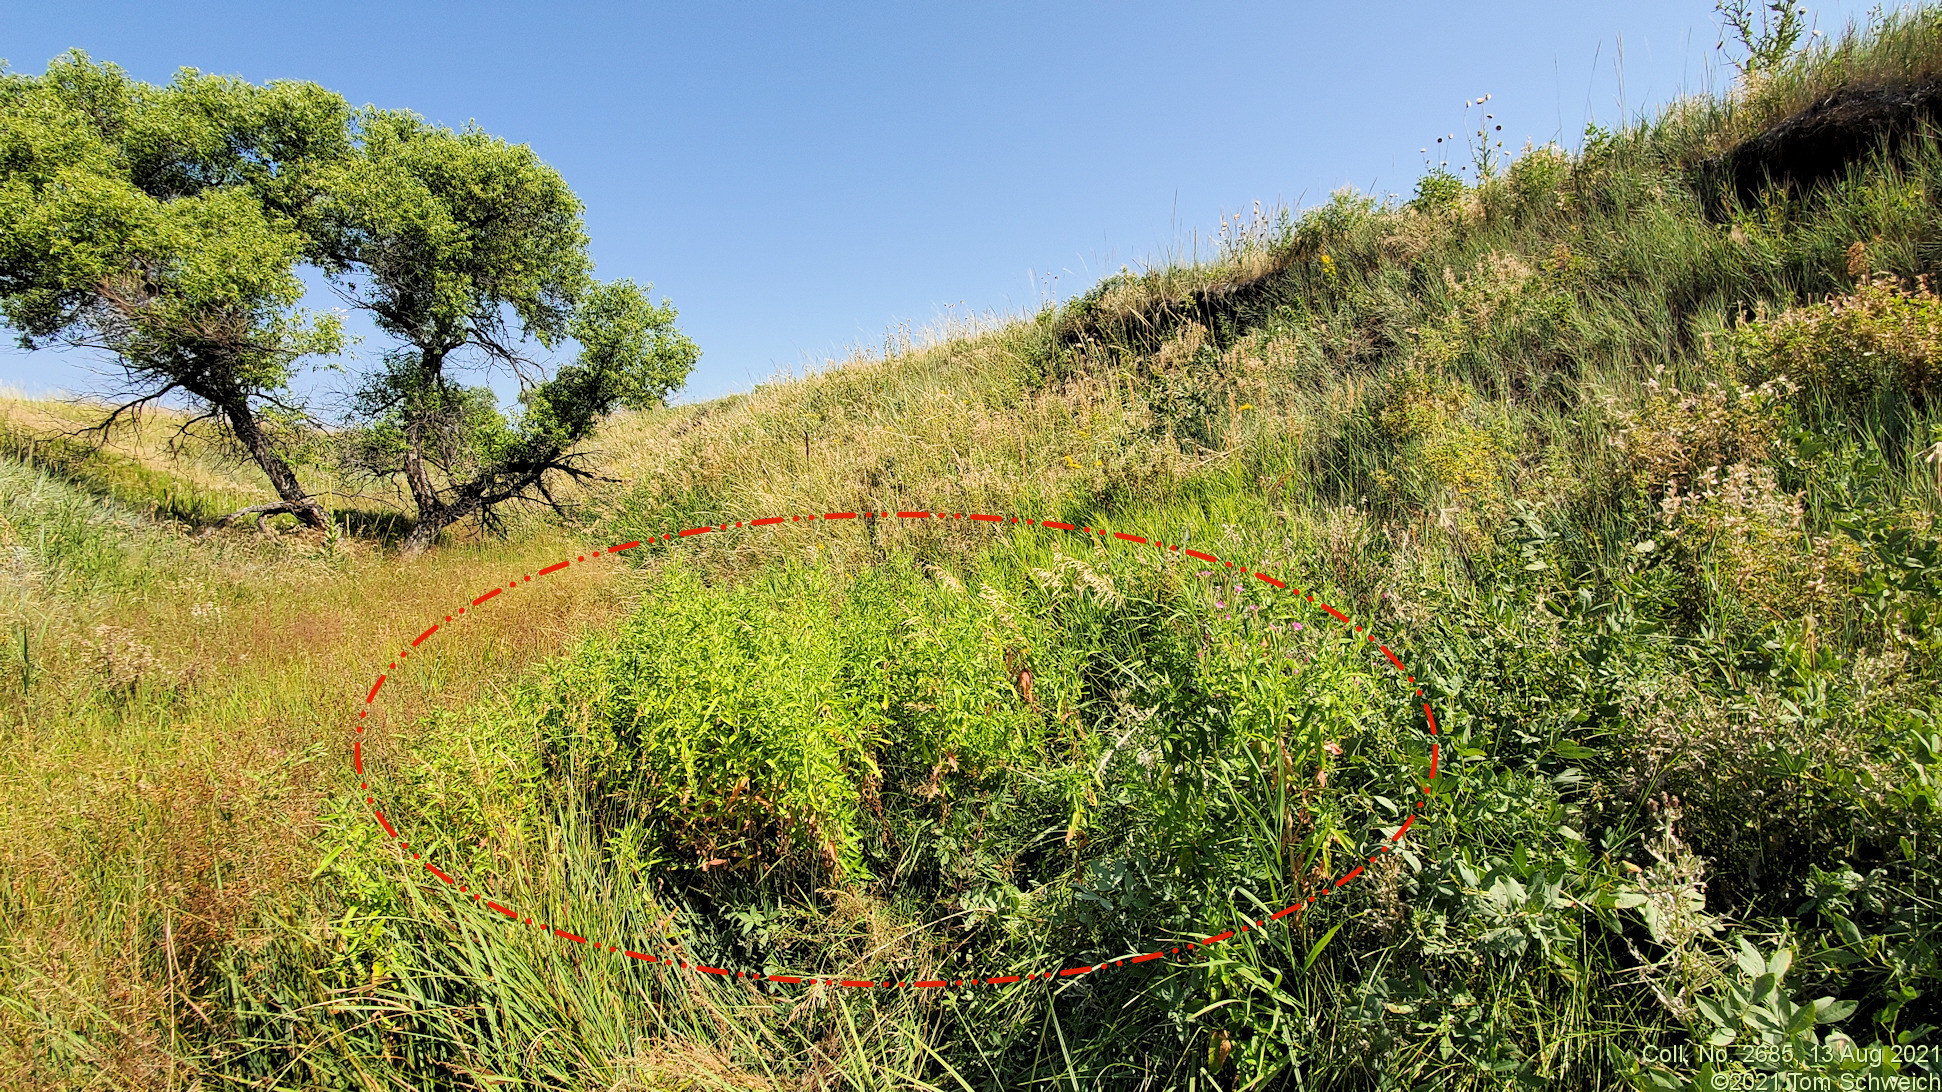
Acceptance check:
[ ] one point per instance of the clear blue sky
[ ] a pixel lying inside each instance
(802, 178)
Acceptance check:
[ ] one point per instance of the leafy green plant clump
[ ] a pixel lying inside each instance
(1880, 341)
(743, 725)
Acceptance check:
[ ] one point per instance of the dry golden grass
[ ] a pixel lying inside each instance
(1135, 297)
(684, 1066)
(956, 427)
(154, 464)
(182, 731)
(144, 442)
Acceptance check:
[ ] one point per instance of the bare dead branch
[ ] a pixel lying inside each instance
(132, 408)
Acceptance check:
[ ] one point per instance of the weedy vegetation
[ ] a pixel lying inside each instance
(1638, 472)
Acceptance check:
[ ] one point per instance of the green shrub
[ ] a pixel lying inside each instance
(1450, 449)
(1672, 434)
(717, 718)
(1437, 190)
(736, 726)
(1535, 178)
(1748, 539)
(1852, 350)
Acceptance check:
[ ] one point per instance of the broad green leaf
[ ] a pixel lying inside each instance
(1752, 963)
(1829, 1011)
(1716, 1012)
(1850, 932)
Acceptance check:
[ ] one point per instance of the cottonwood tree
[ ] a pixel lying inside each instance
(159, 225)
(464, 248)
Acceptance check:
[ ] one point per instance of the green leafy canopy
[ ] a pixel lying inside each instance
(462, 246)
(445, 229)
(151, 222)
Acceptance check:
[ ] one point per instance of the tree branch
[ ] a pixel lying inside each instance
(133, 409)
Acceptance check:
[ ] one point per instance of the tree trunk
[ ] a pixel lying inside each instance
(423, 533)
(468, 499)
(284, 480)
(434, 519)
(433, 515)
(423, 494)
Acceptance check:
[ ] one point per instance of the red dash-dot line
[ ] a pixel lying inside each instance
(1186, 946)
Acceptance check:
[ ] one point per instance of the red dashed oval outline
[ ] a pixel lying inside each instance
(514, 916)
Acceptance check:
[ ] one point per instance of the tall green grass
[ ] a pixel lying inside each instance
(906, 811)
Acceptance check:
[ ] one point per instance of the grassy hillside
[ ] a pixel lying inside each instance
(1637, 474)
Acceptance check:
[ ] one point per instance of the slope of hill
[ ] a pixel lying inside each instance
(1639, 477)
